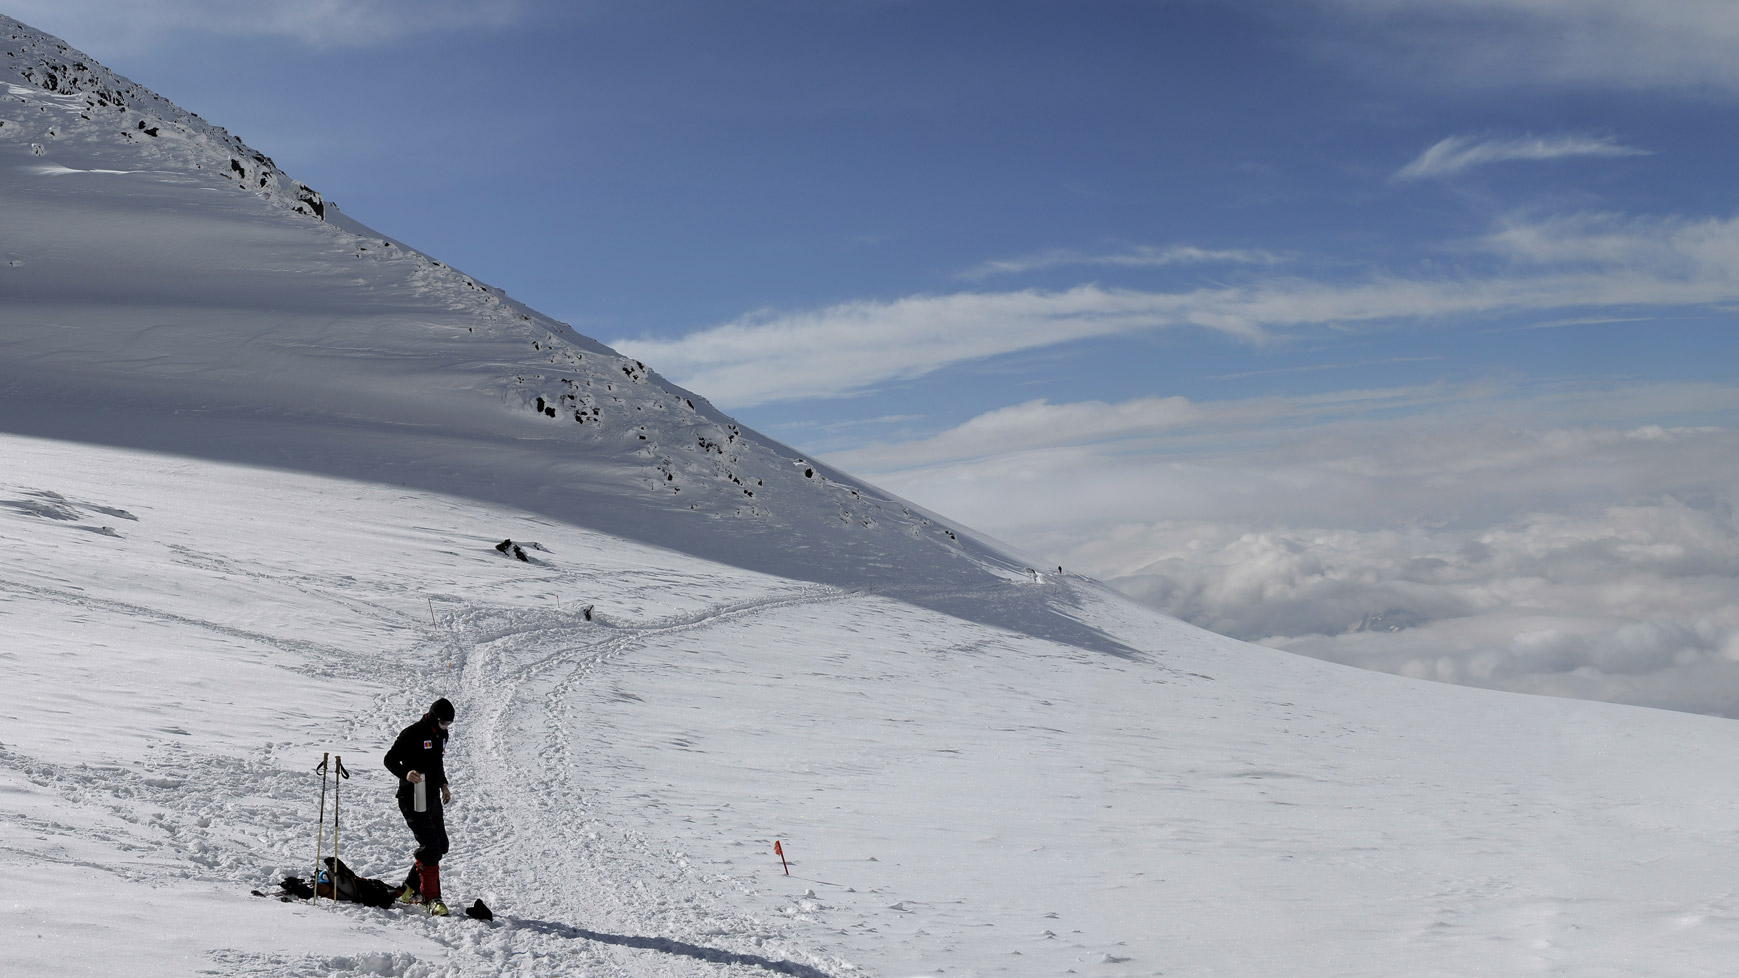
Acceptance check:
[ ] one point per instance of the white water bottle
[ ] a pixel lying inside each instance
(422, 794)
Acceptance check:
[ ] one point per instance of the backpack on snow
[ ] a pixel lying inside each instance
(340, 883)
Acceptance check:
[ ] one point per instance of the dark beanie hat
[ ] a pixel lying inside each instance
(442, 710)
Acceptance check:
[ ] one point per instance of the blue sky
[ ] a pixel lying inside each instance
(1172, 292)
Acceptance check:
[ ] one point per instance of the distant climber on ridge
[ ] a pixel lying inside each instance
(416, 759)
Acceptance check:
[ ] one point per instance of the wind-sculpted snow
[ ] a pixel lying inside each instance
(107, 115)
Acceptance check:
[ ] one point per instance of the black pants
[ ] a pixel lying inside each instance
(428, 826)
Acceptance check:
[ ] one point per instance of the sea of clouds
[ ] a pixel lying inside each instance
(1636, 603)
(1479, 538)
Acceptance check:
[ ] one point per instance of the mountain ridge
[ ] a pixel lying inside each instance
(283, 313)
(49, 64)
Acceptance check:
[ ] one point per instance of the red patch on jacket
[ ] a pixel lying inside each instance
(428, 744)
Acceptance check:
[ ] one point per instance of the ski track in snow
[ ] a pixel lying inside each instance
(176, 811)
(518, 690)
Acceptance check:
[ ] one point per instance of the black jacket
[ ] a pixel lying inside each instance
(419, 747)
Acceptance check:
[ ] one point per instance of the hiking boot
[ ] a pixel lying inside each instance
(436, 908)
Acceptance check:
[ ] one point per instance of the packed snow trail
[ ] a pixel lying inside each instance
(585, 893)
(525, 750)
(186, 642)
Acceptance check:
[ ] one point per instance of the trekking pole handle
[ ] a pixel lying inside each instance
(320, 826)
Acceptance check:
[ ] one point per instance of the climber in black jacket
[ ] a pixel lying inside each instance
(416, 759)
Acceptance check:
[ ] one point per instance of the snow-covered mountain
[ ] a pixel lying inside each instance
(156, 267)
(255, 459)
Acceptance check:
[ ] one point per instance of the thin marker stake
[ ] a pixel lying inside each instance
(779, 850)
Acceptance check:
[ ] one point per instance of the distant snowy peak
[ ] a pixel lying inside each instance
(40, 67)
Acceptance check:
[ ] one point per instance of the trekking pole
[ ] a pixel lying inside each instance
(339, 776)
(320, 828)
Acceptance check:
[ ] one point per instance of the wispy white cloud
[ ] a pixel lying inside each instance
(1304, 368)
(1148, 426)
(1661, 44)
(104, 26)
(1456, 154)
(1034, 425)
(1425, 438)
(1574, 264)
(1522, 536)
(846, 348)
(809, 427)
(1145, 256)
(1672, 247)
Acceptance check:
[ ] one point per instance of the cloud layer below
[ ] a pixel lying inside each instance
(1479, 536)
(1636, 603)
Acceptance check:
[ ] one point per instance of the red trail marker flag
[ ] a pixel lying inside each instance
(779, 851)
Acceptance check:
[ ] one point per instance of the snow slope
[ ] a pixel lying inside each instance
(256, 459)
(144, 282)
(183, 640)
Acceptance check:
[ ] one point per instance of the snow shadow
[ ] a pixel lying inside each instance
(969, 579)
(665, 945)
(1041, 611)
